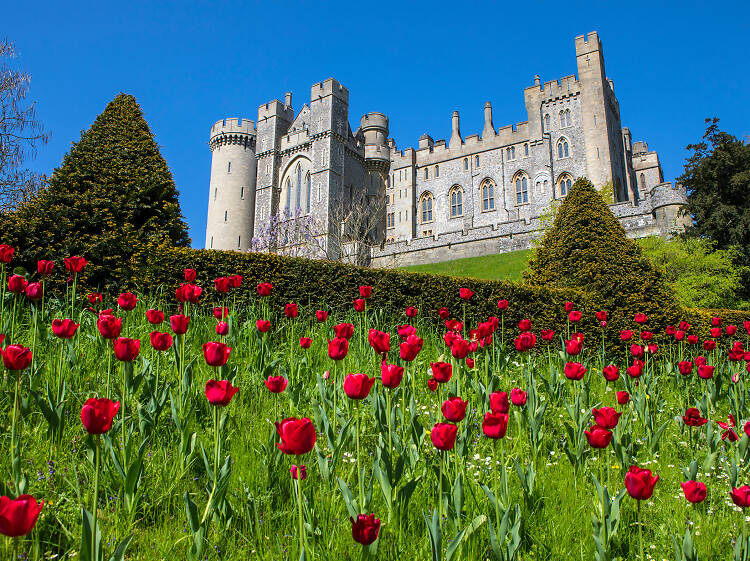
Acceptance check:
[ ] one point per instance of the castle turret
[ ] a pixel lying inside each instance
(375, 128)
(231, 200)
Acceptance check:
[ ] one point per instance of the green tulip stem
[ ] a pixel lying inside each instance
(217, 445)
(640, 530)
(299, 509)
(359, 470)
(109, 363)
(13, 321)
(3, 284)
(390, 423)
(497, 484)
(335, 400)
(15, 415)
(440, 490)
(95, 500)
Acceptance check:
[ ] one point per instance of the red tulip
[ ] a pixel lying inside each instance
(276, 384)
(445, 314)
(109, 326)
(524, 325)
(64, 328)
(460, 349)
(525, 341)
(574, 316)
(518, 397)
(623, 398)
(695, 491)
(379, 341)
(220, 312)
(465, 293)
(700, 360)
(502, 305)
(365, 528)
(574, 370)
(154, 317)
(391, 374)
(126, 350)
(640, 483)
(188, 293)
(365, 291)
(34, 291)
(220, 392)
(17, 284)
(94, 298)
(729, 433)
(692, 418)
(235, 281)
(338, 347)
(601, 316)
(740, 496)
(469, 362)
(569, 307)
(453, 325)
(611, 373)
(359, 305)
(709, 345)
(297, 436)
(636, 350)
(636, 369)
(300, 473)
(263, 325)
(291, 310)
(405, 330)
(411, 312)
(18, 516)
(679, 335)
(685, 367)
(432, 384)
(640, 319)
(692, 339)
(97, 414)
(548, 334)
(705, 371)
(16, 357)
(179, 324)
(495, 425)
(454, 409)
(441, 371)
(573, 347)
(606, 417)
(190, 275)
(715, 332)
(344, 330)
(222, 328)
(443, 436)
(715, 322)
(160, 341)
(75, 264)
(126, 301)
(357, 386)
(321, 315)
(626, 335)
(222, 284)
(410, 348)
(6, 253)
(305, 342)
(746, 325)
(598, 437)
(499, 402)
(215, 353)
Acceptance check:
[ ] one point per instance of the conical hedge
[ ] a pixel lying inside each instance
(587, 248)
(112, 194)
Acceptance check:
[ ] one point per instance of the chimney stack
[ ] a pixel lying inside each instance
(455, 131)
(489, 129)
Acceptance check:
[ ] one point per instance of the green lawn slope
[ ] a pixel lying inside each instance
(502, 266)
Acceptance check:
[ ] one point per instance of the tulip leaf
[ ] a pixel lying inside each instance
(434, 533)
(122, 547)
(87, 533)
(349, 500)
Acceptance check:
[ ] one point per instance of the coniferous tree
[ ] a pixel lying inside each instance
(112, 195)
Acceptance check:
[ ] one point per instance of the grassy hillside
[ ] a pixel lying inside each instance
(493, 267)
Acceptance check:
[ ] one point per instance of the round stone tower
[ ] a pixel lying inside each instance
(231, 200)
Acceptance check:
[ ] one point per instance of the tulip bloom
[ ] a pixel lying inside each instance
(33, 291)
(454, 409)
(411, 312)
(640, 319)
(548, 334)
(305, 342)
(297, 435)
(524, 325)
(298, 473)
(499, 402)
(524, 342)
(344, 330)
(445, 314)
(728, 428)
(441, 371)
(601, 316)
(404, 331)
(502, 305)
(154, 317)
(222, 284)
(606, 417)
(518, 397)
(64, 328)
(127, 301)
(338, 347)
(18, 516)
(126, 350)
(391, 375)
(410, 348)
(573, 347)
(160, 341)
(291, 310)
(495, 425)
(17, 284)
(432, 384)
(190, 275)
(611, 373)
(179, 324)
(709, 345)
(574, 316)
(16, 357)
(598, 437)
(97, 414)
(705, 371)
(359, 305)
(109, 326)
(443, 436)
(692, 418)
(188, 293)
(574, 370)
(263, 325)
(623, 398)
(741, 496)
(695, 491)
(220, 393)
(215, 353)
(276, 384)
(465, 293)
(636, 369)
(379, 341)
(6, 253)
(685, 367)
(321, 315)
(640, 483)
(357, 386)
(235, 281)
(75, 264)
(365, 528)
(222, 328)
(220, 312)
(365, 291)
(460, 349)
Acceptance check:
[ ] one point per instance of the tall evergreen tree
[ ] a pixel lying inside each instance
(112, 194)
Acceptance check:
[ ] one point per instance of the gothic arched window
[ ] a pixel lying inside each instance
(546, 122)
(563, 149)
(564, 183)
(488, 195)
(425, 204)
(307, 192)
(521, 183)
(457, 201)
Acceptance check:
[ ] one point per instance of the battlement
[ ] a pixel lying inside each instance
(586, 44)
(665, 194)
(640, 147)
(374, 120)
(329, 87)
(233, 125)
(275, 108)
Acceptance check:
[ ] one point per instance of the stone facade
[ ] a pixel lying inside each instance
(469, 196)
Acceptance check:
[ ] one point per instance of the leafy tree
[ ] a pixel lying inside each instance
(112, 194)
(717, 177)
(586, 248)
(699, 275)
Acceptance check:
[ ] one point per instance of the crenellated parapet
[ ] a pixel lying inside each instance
(232, 131)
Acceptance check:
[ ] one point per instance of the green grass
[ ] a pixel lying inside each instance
(502, 266)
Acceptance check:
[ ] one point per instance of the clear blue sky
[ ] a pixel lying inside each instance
(191, 64)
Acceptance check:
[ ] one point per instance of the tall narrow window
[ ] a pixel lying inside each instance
(307, 196)
(546, 122)
(457, 201)
(426, 173)
(488, 195)
(563, 150)
(564, 184)
(521, 182)
(476, 161)
(643, 181)
(568, 120)
(466, 164)
(239, 239)
(298, 198)
(287, 195)
(216, 192)
(212, 242)
(425, 204)
(562, 119)
(526, 149)
(242, 192)
(229, 167)
(225, 215)
(437, 171)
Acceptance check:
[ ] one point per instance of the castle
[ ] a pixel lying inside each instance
(293, 183)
